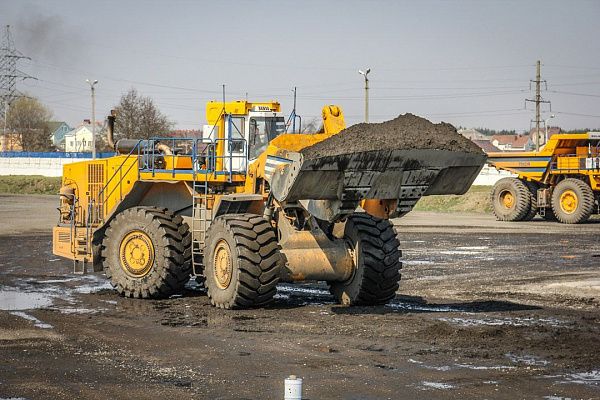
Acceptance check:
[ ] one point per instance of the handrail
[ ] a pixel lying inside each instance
(92, 206)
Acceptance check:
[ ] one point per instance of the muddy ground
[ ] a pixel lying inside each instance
(485, 310)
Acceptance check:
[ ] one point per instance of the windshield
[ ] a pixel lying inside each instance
(262, 131)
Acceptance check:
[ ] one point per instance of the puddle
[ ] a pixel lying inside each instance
(583, 378)
(12, 300)
(421, 307)
(35, 294)
(459, 252)
(463, 366)
(484, 367)
(97, 283)
(57, 280)
(299, 289)
(437, 385)
(527, 360)
(417, 262)
(36, 322)
(518, 321)
(78, 310)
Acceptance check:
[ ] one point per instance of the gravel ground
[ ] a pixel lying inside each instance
(485, 310)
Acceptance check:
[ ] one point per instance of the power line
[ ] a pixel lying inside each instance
(575, 94)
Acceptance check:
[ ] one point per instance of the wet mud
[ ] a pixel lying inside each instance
(472, 319)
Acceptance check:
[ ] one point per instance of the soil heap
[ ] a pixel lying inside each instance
(405, 132)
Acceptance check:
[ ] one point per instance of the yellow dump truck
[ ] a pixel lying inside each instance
(244, 207)
(561, 181)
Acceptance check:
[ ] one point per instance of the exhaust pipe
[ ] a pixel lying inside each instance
(110, 138)
(124, 146)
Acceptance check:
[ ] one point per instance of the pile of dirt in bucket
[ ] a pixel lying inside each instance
(406, 132)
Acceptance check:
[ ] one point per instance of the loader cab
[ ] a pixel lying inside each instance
(247, 130)
(263, 126)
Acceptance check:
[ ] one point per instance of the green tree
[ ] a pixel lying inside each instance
(139, 118)
(28, 119)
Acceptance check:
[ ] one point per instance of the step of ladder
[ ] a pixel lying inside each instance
(79, 267)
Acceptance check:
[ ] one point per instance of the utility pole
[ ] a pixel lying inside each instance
(538, 102)
(365, 73)
(294, 111)
(9, 74)
(93, 88)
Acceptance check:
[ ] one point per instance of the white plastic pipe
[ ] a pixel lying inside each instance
(293, 388)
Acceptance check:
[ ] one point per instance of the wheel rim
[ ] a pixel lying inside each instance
(223, 265)
(136, 254)
(507, 199)
(568, 201)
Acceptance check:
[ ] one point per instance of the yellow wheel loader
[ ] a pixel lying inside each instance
(247, 205)
(560, 182)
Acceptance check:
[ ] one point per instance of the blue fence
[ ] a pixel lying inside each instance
(55, 154)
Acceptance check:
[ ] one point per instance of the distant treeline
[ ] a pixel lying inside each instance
(491, 132)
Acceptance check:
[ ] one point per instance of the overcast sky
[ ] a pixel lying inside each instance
(465, 62)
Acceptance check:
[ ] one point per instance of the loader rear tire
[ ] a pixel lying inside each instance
(242, 261)
(511, 200)
(147, 253)
(573, 201)
(377, 262)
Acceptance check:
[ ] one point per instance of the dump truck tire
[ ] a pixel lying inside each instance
(511, 200)
(242, 262)
(572, 201)
(533, 208)
(377, 257)
(147, 253)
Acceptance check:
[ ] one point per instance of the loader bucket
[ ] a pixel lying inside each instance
(405, 175)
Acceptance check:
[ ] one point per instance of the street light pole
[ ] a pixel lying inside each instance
(4, 137)
(546, 125)
(93, 88)
(365, 73)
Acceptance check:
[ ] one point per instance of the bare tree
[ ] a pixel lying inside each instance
(139, 118)
(28, 119)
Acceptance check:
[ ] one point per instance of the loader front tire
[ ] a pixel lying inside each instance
(377, 262)
(572, 201)
(147, 253)
(242, 261)
(511, 200)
